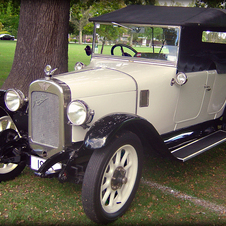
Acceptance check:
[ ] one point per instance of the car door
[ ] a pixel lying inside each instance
(218, 95)
(194, 98)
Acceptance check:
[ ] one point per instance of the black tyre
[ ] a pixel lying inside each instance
(112, 178)
(10, 170)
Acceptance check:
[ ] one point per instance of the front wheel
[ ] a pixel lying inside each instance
(10, 170)
(112, 178)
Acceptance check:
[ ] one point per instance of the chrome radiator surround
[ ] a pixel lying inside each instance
(49, 131)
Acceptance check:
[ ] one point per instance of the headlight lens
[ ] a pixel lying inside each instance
(181, 78)
(14, 99)
(78, 66)
(78, 113)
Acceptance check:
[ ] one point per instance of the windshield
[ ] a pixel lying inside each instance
(137, 41)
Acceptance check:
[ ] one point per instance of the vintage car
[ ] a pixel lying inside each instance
(157, 77)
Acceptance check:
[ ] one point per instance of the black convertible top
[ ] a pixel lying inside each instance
(166, 15)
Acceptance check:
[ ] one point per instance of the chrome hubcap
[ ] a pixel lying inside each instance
(119, 178)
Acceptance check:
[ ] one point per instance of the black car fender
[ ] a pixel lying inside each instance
(106, 128)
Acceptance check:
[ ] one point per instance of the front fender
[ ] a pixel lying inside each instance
(13, 149)
(103, 131)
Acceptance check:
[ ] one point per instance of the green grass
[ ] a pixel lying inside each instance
(76, 53)
(7, 49)
(203, 176)
(30, 200)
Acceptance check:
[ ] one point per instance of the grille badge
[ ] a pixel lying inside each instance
(39, 101)
(44, 86)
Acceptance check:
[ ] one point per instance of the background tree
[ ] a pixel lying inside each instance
(9, 16)
(80, 15)
(211, 3)
(81, 12)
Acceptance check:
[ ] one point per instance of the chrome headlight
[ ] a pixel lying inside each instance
(79, 113)
(79, 66)
(14, 99)
(181, 78)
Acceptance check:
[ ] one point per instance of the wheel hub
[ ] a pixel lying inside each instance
(119, 178)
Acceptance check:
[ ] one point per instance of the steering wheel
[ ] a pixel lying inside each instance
(163, 43)
(123, 53)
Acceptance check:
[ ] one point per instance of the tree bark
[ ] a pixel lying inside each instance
(80, 34)
(42, 39)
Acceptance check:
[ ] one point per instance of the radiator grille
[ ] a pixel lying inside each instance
(45, 118)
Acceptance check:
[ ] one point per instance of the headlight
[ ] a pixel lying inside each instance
(78, 66)
(181, 78)
(14, 99)
(79, 113)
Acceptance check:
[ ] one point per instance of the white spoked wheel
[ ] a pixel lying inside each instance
(112, 178)
(10, 170)
(119, 179)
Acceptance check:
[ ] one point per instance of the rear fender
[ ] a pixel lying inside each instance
(105, 129)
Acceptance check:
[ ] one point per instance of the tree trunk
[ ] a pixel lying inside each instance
(80, 35)
(42, 39)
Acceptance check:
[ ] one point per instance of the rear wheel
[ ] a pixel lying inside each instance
(10, 170)
(112, 178)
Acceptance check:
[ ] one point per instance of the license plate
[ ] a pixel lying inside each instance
(36, 163)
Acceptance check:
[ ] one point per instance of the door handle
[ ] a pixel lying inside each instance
(207, 88)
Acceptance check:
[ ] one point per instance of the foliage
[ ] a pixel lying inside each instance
(9, 15)
(81, 12)
(10, 23)
(1, 26)
(10, 5)
(79, 18)
(211, 3)
(214, 37)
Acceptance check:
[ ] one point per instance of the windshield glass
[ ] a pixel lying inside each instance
(137, 41)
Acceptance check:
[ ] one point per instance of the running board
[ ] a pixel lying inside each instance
(199, 146)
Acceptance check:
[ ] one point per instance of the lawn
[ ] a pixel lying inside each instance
(7, 48)
(30, 200)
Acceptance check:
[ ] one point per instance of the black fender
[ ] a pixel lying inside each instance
(103, 131)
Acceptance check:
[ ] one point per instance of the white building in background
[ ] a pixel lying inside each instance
(172, 2)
